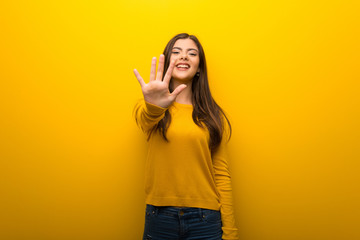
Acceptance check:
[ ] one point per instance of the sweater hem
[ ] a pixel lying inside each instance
(184, 202)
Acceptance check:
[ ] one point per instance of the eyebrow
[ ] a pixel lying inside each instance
(187, 49)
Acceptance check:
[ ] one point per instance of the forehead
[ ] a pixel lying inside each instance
(185, 43)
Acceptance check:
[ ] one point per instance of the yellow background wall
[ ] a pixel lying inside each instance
(72, 157)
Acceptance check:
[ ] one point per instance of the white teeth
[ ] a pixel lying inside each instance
(183, 66)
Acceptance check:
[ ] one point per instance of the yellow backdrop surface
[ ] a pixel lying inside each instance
(72, 158)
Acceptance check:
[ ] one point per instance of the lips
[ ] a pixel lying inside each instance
(182, 66)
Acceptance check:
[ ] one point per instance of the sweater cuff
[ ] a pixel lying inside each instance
(230, 233)
(154, 110)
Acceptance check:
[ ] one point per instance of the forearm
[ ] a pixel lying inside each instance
(147, 115)
(229, 228)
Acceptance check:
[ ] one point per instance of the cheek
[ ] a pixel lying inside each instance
(173, 58)
(197, 65)
(197, 61)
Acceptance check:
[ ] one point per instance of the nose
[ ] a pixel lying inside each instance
(183, 56)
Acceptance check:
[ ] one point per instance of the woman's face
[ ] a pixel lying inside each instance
(186, 55)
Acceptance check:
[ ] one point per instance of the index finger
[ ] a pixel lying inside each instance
(169, 72)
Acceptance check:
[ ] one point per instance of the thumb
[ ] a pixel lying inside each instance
(178, 90)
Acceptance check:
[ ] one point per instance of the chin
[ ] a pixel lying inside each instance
(183, 78)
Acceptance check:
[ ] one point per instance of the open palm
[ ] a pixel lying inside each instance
(156, 91)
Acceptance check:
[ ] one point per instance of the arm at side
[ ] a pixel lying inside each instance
(223, 183)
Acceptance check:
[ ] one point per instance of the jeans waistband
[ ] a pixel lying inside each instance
(174, 210)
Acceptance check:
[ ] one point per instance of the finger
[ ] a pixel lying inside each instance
(153, 69)
(139, 78)
(160, 68)
(169, 72)
(178, 90)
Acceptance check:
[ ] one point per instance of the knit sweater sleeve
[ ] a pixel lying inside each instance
(223, 183)
(147, 115)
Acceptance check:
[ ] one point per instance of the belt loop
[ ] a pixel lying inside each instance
(156, 210)
(153, 209)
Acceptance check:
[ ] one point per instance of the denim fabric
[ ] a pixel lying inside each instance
(170, 223)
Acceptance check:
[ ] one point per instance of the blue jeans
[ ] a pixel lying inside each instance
(185, 223)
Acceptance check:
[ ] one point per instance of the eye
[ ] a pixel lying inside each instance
(192, 54)
(175, 52)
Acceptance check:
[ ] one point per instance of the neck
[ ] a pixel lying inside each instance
(185, 97)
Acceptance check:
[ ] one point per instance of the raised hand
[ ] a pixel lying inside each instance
(157, 90)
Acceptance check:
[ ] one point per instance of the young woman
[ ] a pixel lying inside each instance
(187, 183)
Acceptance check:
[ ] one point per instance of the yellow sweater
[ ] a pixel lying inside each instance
(182, 172)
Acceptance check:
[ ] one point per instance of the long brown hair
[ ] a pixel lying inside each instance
(205, 109)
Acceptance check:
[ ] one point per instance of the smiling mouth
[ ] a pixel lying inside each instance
(183, 67)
